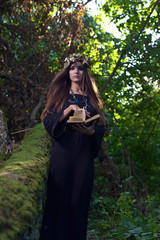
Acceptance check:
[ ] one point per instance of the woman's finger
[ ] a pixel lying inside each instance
(87, 113)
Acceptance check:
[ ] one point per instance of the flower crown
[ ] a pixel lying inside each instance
(85, 60)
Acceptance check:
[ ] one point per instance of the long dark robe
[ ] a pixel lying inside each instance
(70, 178)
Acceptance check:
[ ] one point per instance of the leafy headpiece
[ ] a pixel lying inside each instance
(85, 60)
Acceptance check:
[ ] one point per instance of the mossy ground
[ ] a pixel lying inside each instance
(22, 184)
(3, 157)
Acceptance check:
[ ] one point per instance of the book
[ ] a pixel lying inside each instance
(79, 116)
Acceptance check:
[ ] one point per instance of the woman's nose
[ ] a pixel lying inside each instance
(76, 70)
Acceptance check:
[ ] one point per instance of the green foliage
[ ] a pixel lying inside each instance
(119, 218)
(135, 133)
(131, 100)
(132, 108)
(100, 47)
(130, 14)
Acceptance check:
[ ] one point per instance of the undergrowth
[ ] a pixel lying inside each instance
(118, 218)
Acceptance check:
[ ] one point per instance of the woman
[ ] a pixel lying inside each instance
(71, 167)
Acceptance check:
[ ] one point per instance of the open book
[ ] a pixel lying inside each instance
(79, 116)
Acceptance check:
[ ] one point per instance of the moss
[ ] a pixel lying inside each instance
(22, 184)
(3, 157)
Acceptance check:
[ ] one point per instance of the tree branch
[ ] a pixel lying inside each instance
(87, 2)
(36, 68)
(150, 134)
(125, 50)
(36, 109)
(12, 78)
(24, 130)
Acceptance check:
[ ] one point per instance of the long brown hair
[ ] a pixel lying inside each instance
(59, 91)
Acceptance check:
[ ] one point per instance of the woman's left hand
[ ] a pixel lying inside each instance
(83, 128)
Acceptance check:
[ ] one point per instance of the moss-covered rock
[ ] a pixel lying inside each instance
(3, 157)
(22, 185)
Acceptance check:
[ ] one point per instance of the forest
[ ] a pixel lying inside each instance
(35, 38)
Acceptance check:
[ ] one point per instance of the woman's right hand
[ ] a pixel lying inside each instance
(68, 110)
(71, 108)
(75, 108)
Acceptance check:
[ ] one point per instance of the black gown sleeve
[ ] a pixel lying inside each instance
(52, 124)
(97, 139)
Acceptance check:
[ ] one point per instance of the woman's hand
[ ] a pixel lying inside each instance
(71, 108)
(75, 108)
(83, 128)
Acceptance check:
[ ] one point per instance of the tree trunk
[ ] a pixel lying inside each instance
(3, 133)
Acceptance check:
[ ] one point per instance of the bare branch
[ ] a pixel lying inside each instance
(24, 130)
(36, 68)
(36, 109)
(12, 78)
(125, 50)
(87, 2)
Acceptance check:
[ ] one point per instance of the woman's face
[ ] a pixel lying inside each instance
(76, 72)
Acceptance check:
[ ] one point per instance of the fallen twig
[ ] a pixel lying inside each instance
(21, 131)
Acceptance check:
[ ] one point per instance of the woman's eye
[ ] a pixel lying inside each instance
(71, 68)
(80, 68)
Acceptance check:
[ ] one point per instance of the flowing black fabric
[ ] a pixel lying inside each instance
(70, 178)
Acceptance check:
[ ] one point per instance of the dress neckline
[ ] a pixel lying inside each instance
(77, 94)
